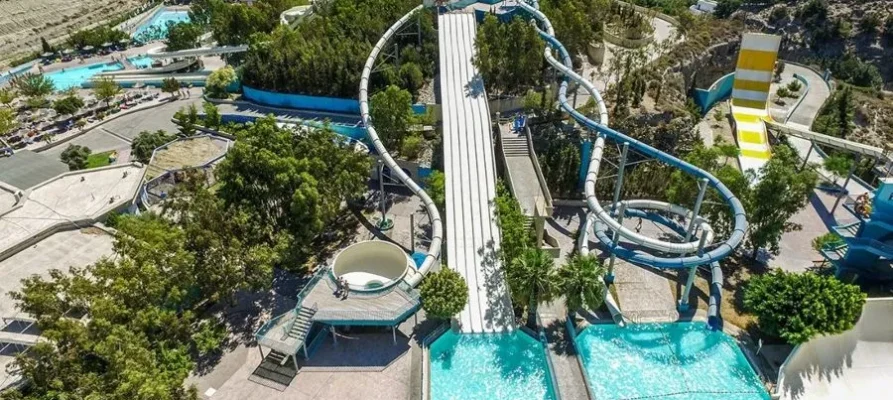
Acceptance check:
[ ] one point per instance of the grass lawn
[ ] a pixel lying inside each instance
(99, 159)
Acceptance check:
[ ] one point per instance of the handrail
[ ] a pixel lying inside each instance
(721, 250)
(433, 256)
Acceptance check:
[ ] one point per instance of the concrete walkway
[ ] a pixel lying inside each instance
(564, 357)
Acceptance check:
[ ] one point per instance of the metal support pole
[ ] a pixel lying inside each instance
(394, 334)
(692, 272)
(334, 336)
(412, 232)
(620, 168)
(381, 188)
(849, 176)
(808, 153)
(261, 350)
(702, 186)
(294, 361)
(609, 277)
(306, 354)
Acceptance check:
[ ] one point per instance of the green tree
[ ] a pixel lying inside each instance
(182, 35)
(838, 164)
(444, 294)
(212, 117)
(34, 85)
(75, 156)
(782, 190)
(143, 334)
(8, 121)
(45, 47)
(146, 142)
(170, 85)
(800, 306)
(106, 89)
(391, 112)
(436, 185)
(68, 104)
(870, 23)
(219, 81)
(577, 23)
(412, 147)
(580, 281)
(509, 55)
(725, 8)
(516, 236)
(413, 77)
(200, 11)
(532, 280)
(187, 118)
(293, 184)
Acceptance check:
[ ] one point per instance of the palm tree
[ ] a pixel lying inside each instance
(532, 280)
(580, 281)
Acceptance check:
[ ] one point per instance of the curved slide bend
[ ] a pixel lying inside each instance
(597, 212)
(431, 259)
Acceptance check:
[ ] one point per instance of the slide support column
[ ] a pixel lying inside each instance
(620, 168)
(609, 277)
(702, 190)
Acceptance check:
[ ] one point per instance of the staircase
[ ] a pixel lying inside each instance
(515, 146)
(300, 327)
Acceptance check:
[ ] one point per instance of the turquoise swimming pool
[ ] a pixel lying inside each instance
(489, 367)
(678, 361)
(74, 77)
(156, 27)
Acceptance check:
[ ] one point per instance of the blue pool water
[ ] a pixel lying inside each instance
(74, 77)
(157, 25)
(141, 61)
(492, 367)
(678, 361)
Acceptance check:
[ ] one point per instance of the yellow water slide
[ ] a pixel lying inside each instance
(750, 97)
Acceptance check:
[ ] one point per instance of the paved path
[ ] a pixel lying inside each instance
(564, 357)
(131, 125)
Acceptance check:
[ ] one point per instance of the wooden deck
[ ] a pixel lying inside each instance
(371, 309)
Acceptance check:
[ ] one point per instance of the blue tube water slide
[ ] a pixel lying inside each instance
(598, 214)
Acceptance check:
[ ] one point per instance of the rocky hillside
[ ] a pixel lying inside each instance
(822, 32)
(24, 22)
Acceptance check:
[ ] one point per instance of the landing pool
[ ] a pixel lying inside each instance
(505, 366)
(75, 77)
(677, 361)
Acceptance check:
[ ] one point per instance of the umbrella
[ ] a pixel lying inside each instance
(47, 55)
(67, 51)
(107, 44)
(87, 48)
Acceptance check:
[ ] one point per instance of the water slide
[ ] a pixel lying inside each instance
(196, 52)
(856, 364)
(691, 253)
(433, 256)
(750, 97)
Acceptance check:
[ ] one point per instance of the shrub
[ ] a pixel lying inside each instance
(779, 14)
(795, 86)
(444, 294)
(68, 105)
(827, 241)
(436, 185)
(412, 146)
(799, 306)
(870, 23)
(219, 81)
(783, 92)
(413, 77)
(75, 156)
